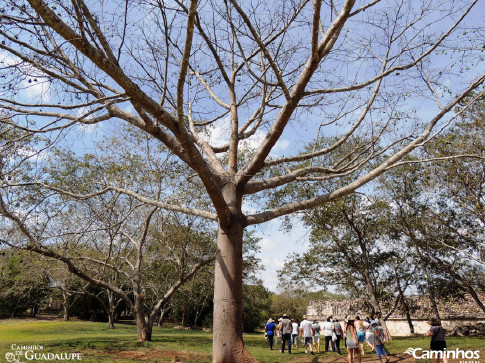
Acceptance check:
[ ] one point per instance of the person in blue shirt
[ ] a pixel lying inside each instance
(269, 330)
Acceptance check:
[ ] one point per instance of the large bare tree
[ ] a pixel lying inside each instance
(387, 73)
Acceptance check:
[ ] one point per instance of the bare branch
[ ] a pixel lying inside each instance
(351, 187)
(167, 206)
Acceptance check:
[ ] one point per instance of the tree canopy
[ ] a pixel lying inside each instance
(385, 75)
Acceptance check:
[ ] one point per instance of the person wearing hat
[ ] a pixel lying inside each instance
(380, 340)
(269, 330)
(438, 342)
(278, 332)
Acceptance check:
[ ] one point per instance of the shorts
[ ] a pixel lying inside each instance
(361, 336)
(316, 339)
(438, 345)
(351, 344)
(380, 350)
(307, 340)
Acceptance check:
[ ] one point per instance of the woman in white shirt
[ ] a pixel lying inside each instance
(328, 329)
(294, 333)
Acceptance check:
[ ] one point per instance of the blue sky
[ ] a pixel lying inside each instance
(276, 244)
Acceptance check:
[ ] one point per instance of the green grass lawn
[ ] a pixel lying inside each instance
(97, 343)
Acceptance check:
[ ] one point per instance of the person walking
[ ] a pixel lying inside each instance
(328, 332)
(270, 329)
(306, 332)
(370, 338)
(351, 342)
(278, 332)
(294, 333)
(380, 340)
(285, 329)
(316, 336)
(360, 328)
(438, 342)
(338, 332)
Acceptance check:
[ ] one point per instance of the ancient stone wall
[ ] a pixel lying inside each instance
(454, 313)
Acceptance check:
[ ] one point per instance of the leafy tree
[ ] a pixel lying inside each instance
(349, 249)
(256, 306)
(262, 68)
(23, 283)
(294, 301)
(116, 241)
(440, 234)
(194, 301)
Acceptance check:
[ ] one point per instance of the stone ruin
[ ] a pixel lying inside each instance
(461, 317)
(472, 330)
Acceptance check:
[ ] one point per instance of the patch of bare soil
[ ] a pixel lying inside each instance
(173, 356)
(394, 358)
(150, 356)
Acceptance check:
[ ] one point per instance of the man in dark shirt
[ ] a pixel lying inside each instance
(285, 329)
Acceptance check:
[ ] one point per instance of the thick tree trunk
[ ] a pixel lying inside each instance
(143, 328)
(111, 321)
(111, 310)
(375, 304)
(228, 345)
(35, 310)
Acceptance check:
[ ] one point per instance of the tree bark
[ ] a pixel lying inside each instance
(432, 296)
(475, 296)
(408, 315)
(228, 345)
(111, 310)
(111, 320)
(160, 320)
(375, 304)
(144, 330)
(65, 304)
(405, 305)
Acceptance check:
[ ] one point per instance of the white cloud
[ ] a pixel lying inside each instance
(37, 89)
(34, 85)
(270, 275)
(7, 59)
(219, 135)
(85, 127)
(276, 245)
(248, 208)
(33, 154)
(268, 244)
(281, 145)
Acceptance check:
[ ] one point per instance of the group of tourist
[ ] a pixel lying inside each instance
(354, 332)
